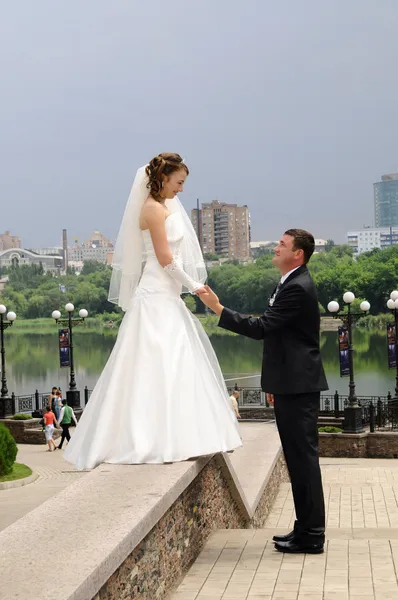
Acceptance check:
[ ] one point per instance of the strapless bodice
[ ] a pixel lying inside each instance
(174, 232)
(155, 280)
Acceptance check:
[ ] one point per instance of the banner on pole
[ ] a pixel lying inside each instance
(343, 352)
(391, 340)
(64, 354)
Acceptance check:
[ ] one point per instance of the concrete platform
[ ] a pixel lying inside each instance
(361, 553)
(108, 512)
(54, 475)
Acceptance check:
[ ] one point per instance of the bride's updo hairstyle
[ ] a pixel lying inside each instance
(163, 165)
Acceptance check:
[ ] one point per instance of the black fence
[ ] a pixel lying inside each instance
(333, 405)
(250, 397)
(37, 402)
(383, 416)
(380, 413)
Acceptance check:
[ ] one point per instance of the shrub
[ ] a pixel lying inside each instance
(21, 417)
(8, 451)
(329, 429)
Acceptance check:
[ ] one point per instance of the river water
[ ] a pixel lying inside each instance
(33, 363)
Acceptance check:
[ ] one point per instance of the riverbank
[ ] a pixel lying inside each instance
(108, 324)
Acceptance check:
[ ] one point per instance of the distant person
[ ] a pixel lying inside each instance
(58, 404)
(65, 418)
(52, 399)
(234, 403)
(49, 421)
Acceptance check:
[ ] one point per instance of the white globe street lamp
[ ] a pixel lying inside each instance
(73, 395)
(353, 413)
(349, 297)
(365, 306)
(333, 306)
(392, 304)
(5, 321)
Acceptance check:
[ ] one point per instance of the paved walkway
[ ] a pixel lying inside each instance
(361, 557)
(54, 475)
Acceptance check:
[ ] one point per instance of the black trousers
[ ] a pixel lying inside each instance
(65, 434)
(297, 421)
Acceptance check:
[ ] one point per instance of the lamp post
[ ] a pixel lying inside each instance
(5, 404)
(392, 304)
(353, 412)
(73, 394)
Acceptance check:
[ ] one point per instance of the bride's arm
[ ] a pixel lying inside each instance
(154, 217)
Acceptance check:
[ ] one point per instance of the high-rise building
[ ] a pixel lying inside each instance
(8, 241)
(223, 229)
(386, 201)
(367, 239)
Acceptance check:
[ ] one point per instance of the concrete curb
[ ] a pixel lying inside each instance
(8, 485)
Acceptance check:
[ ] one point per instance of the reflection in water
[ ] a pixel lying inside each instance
(33, 363)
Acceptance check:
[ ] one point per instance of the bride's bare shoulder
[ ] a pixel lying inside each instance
(151, 209)
(151, 205)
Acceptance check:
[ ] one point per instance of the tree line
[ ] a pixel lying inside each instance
(31, 293)
(372, 276)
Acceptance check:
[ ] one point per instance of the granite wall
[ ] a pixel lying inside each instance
(359, 445)
(160, 560)
(28, 432)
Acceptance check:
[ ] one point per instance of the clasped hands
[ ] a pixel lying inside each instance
(210, 299)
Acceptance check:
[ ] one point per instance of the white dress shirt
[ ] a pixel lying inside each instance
(286, 275)
(278, 287)
(235, 405)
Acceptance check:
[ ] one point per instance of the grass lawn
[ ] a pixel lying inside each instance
(19, 471)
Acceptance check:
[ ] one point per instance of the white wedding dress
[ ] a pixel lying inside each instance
(161, 396)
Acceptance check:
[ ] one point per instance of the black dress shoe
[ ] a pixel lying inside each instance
(295, 547)
(284, 538)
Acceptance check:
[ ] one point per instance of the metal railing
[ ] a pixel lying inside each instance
(36, 403)
(333, 405)
(250, 397)
(383, 416)
(378, 412)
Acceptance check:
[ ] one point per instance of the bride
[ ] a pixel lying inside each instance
(161, 396)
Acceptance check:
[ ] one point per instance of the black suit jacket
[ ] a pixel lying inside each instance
(290, 329)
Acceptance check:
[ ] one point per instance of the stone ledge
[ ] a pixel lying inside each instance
(136, 527)
(380, 444)
(28, 432)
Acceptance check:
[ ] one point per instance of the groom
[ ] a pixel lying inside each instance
(293, 377)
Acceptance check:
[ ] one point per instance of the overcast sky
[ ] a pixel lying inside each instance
(289, 107)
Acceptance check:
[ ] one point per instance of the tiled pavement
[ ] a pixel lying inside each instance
(54, 472)
(361, 554)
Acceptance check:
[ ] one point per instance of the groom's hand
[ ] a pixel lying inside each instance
(210, 299)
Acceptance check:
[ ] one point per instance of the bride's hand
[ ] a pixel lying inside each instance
(210, 299)
(199, 291)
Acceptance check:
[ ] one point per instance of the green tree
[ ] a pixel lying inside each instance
(210, 256)
(329, 245)
(92, 266)
(190, 302)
